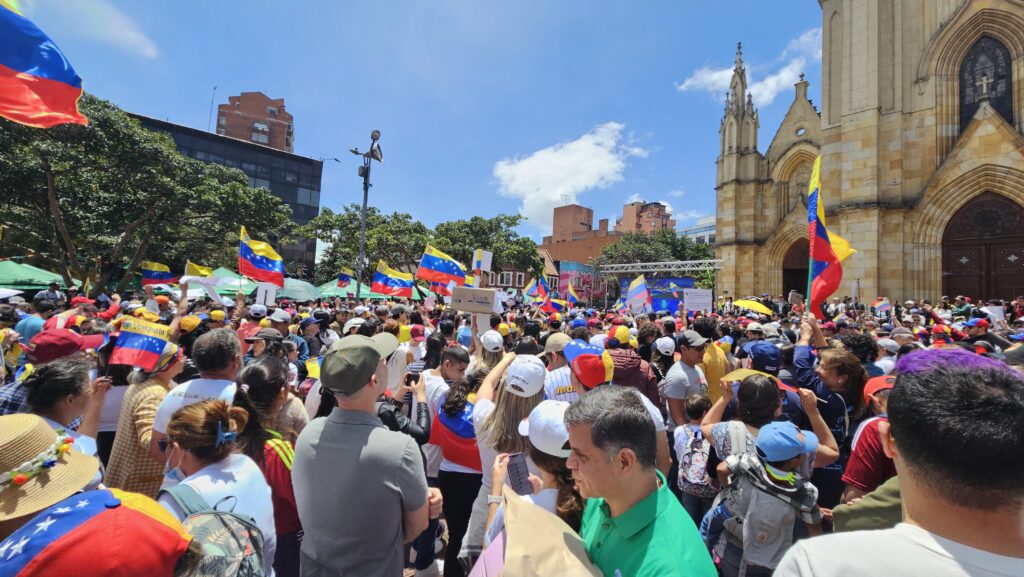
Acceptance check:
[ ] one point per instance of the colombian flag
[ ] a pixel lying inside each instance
(140, 344)
(38, 86)
(259, 261)
(573, 299)
(156, 273)
(436, 266)
(388, 281)
(345, 277)
(828, 250)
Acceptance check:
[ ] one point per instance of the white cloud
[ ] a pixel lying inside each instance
(668, 207)
(596, 159)
(677, 192)
(635, 197)
(778, 76)
(688, 215)
(101, 21)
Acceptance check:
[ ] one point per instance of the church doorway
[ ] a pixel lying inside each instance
(794, 267)
(983, 249)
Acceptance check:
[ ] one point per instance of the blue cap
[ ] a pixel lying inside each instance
(590, 312)
(727, 339)
(577, 347)
(782, 440)
(465, 336)
(764, 356)
(973, 322)
(578, 323)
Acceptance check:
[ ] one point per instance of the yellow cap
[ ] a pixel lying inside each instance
(147, 316)
(189, 323)
(404, 334)
(503, 329)
(217, 315)
(264, 323)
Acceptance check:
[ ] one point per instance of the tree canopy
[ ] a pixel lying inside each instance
(663, 245)
(94, 201)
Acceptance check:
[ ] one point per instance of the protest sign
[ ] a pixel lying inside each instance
(473, 300)
(698, 299)
(265, 293)
(482, 260)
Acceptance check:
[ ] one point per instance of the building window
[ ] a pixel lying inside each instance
(249, 168)
(505, 279)
(272, 110)
(290, 177)
(221, 120)
(220, 131)
(201, 155)
(519, 279)
(261, 126)
(260, 138)
(259, 183)
(490, 279)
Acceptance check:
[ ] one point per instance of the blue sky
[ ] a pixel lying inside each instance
(484, 107)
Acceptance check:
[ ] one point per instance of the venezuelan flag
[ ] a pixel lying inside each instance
(440, 288)
(637, 291)
(619, 306)
(140, 344)
(345, 277)
(156, 273)
(38, 86)
(573, 299)
(436, 266)
(531, 288)
(388, 281)
(259, 261)
(554, 305)
(828, 250)
(193, 269)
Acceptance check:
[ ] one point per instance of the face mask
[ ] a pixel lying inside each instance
(174, 474)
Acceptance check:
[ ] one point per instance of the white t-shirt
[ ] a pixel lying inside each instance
(111, 410)
(558, 385)
(546, 499)
(436, 388)
(905, 550)
(397, 366)
(194, 391)
(239, 477)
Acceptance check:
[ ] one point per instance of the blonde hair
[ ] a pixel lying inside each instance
(195, 428)
(501, 429)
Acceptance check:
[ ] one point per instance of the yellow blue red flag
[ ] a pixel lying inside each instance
(156, 273)
(259, 261)
(388, 281)
(828, 250)
(436, 266)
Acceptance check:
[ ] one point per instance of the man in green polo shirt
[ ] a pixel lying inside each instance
(632, 525)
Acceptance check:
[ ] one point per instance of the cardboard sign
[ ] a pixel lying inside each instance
(265, 293)
(472, 300)
(482, 260)
(698, 299)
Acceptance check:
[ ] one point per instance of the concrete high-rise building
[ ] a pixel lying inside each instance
(255, 117)
(648, 217)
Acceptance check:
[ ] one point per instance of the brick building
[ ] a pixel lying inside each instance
(255, 117)
(573, 236)
(640, 216)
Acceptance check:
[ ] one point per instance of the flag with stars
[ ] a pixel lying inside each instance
(436, 266)
(259, 261)
(140, 344)
(135, 534)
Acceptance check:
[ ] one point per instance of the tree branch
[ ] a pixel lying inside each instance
(57, 218)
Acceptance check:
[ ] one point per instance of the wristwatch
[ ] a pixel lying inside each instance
(494, 499)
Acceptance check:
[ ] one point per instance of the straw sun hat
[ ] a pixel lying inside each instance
(38, 466)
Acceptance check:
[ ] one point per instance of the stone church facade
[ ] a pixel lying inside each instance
(922, 156)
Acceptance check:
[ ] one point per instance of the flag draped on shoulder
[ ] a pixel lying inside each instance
(436, 266)
(388, 281)
(38, 86)
(828, 250)
(259, 261)
(140, 344)
(156, 273)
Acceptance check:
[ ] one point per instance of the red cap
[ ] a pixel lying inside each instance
(81, 301)
(829, 326)
(967, 299)
(876, 384)
(619, 321)
(594, 323)
(593, 370)
(940, 329)
(59, 343)
(416, 333)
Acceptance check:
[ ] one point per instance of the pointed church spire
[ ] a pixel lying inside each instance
(738, 85)
(739, 55)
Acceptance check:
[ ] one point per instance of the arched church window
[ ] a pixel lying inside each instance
(986, 72)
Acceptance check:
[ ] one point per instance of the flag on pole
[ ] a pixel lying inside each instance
(436, 266)
(572, 298)
(140, 344)
(259, 261)
(637, 291)
(551, 305)
(38, 86)
(345, 277)
(440, 289)
(828, 250)
(193, 269)
(388, 281)
(156, 273)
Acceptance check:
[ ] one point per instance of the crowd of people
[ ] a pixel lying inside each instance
(344, 437)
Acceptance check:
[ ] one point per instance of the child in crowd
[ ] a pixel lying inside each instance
(697, 488)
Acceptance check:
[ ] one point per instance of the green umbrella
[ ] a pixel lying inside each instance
(240, 283)
(331, 289)
(26, 277)
(298, 290)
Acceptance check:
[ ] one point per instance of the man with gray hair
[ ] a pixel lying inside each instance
(632, 523)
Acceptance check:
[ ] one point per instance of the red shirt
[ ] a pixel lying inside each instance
(278, 455)
(868, 466)
(245, 330)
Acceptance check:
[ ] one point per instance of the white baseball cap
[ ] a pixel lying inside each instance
(280, 316)
(598, 339)
(525, 376)
(666, 346)
(356, 322)
(258, 311)
(360, 310)
(546, 428)
(492, 341)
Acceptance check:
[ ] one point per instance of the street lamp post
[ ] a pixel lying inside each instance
(364, 171)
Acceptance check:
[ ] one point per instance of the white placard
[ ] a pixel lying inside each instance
(698, 299)
(483, 323)
(997, 313)
(265, 293)
(484, 258)
(429, 302)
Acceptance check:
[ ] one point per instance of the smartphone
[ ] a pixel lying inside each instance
(519, 475)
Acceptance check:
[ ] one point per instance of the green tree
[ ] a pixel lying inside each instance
(396, 238)
(94, 201)
(663, 245)
(459, 238)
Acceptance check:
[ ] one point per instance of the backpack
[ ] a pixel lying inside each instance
(232, 543)
(693, 460)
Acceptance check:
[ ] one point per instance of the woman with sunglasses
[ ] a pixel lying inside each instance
(131, 467)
